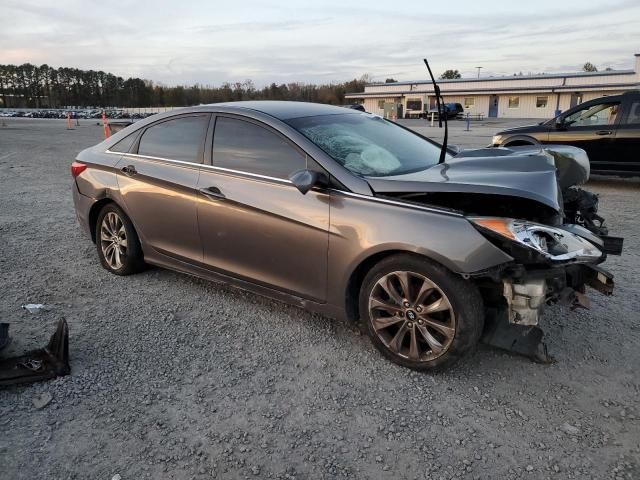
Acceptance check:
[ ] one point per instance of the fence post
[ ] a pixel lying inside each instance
(468, 120)
(432, 115)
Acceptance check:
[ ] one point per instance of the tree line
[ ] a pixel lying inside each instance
(43, 86)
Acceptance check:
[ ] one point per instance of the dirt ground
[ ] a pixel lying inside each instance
(174, 377)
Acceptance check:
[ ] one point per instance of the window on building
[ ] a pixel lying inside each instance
(178, 139)
(414, 104)
(380, 104)
(541, 102)
(514, 102)
(248, 147)
(469, 102)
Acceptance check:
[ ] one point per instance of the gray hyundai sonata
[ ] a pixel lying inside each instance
(353, 216)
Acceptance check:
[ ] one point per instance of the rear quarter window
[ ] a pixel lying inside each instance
(124, 145)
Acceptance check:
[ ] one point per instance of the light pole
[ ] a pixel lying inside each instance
(478, 71)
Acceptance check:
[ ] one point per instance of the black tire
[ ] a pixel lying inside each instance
(464, 309)
(132, 259)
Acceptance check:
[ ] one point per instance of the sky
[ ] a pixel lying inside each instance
(210, 42)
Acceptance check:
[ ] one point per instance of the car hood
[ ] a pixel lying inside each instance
(533, 173)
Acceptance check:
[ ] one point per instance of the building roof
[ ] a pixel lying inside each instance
(511, 77)
(499, 90)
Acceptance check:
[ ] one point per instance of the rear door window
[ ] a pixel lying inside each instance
(247, 147)
(633, 117)
(177, 139)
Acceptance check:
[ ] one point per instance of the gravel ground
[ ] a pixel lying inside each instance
(174, 377)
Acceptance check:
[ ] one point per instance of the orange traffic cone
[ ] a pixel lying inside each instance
(105, 126)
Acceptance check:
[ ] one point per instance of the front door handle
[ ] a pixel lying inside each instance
(604, 132)
(129, 170)
(213, 192)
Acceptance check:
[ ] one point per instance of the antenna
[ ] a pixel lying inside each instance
(436, 89)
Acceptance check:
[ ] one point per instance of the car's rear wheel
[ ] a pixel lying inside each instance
(419, 314)
(117, 242)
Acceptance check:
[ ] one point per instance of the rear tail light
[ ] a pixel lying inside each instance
(77, 168)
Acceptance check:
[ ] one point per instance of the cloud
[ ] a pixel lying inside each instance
(211, 42)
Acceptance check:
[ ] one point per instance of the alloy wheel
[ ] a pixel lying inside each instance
(113, 240)
(412, 316)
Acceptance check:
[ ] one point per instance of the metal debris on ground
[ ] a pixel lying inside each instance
(42, 400)
(41, 364)
(33, 307)
(5, 339)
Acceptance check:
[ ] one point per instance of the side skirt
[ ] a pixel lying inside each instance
(169, 263)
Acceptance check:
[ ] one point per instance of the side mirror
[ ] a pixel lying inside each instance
(560, 123)
(305, 180)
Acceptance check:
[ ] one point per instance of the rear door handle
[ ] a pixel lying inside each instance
(129, 170)
(213, 192)
(604, 132)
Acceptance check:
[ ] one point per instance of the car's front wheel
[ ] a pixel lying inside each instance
(419, 314)
(117, 242)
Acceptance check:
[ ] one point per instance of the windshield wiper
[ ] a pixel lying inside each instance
(436, 89)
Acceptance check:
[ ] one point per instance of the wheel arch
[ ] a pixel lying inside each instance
(93, 215)
(520, 140)
(95, 211)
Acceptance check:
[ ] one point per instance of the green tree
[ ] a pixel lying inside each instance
(589, 67)
(450, 75)
(44, 86)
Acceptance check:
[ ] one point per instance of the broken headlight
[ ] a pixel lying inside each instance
(551, 242)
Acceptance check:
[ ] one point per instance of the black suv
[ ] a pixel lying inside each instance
(607, 128)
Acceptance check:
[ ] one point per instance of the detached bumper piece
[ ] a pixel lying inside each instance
(42, 364)
(523, 340)
(612, 245)
(601, 280)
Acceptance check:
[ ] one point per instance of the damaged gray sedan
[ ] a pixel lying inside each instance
(352, 216)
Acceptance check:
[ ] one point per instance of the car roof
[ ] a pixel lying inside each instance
(286, 110)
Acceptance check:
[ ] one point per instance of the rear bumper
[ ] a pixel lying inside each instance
(82, 206)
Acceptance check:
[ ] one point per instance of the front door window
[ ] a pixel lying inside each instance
(594, 115)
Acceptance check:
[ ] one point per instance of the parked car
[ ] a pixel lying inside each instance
(451, 110)
(356, 106)
(346, 214)
(607, 128)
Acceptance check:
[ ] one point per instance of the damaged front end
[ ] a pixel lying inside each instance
(527, 202)
(551, 265)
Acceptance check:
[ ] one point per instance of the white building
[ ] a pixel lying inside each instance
(526, 96)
